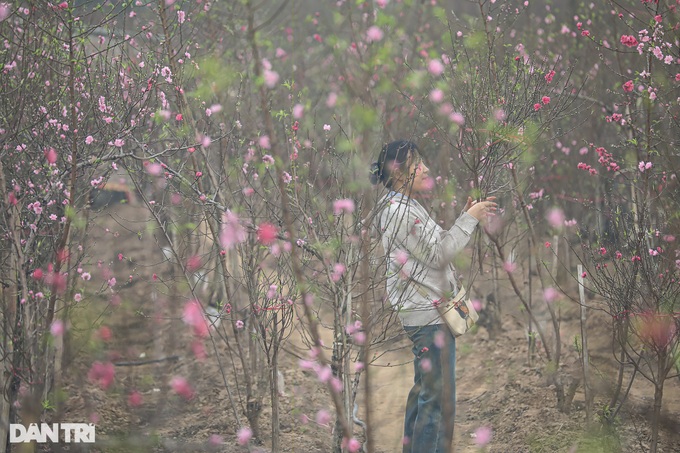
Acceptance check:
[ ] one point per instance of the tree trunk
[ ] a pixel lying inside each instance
(274, 387)
(662, 372)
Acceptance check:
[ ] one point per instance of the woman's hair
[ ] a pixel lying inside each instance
(392, 156)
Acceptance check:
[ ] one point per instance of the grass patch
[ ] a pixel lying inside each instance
(596, 440)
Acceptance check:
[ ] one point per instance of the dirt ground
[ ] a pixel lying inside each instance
(496, 384)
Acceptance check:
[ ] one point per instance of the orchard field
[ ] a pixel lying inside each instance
(188, 259)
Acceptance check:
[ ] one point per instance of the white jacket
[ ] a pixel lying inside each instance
(419, 257)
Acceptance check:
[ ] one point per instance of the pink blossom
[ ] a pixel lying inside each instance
(457, 118)
(298, 111)
(182, 387)
(426, 365)
(198, 348)
(181, 16)
(5, 11)
(154, 169)
(629, 40)
(239, 324)
(244, 435)
(232, 231)
(555, 217)
(537, 107)
(264, 142)
(327, 127)
(436, 95)
(628, 86)
(266, 233)
(353, 445)
(435, 67)
(135, 399)
(215, 440)
(271, 78)
(104, 333)
(323, 417)
(401, 257)
(338, 271)
(57, 328)
(102, 374)
(324, 373)
(331, 99)
(345, 205)
(549, 76)
(119, 142)
(509, 266)
(267, 159)
(374, 33)
(192, 315)
(656, 329)
(550, 294)
(280, 53)
(483, 436)
(77, 297)
(51, 156)
(194, 263)
(272, 292)
(428, 183)
(545, 100)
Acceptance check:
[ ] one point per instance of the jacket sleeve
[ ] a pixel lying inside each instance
(412, 229)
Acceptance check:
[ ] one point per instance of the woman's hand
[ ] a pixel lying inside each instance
(480, 210)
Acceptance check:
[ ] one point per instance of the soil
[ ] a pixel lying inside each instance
(497, 385)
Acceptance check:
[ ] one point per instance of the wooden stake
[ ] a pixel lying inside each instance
(584, 345)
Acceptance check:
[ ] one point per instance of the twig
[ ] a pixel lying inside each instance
(172, 358)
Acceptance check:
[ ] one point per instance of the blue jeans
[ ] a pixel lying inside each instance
(431, 403)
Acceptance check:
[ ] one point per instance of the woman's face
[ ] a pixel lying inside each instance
(417, 178)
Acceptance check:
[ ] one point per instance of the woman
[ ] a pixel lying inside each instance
(419, 259)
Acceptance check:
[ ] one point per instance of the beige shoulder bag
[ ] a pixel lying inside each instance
(458, 313)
